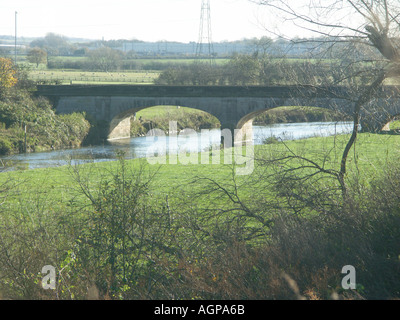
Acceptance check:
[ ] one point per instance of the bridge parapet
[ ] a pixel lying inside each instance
(190, 91)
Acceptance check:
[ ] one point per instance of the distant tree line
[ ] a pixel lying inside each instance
(50, 49)
(262, 69)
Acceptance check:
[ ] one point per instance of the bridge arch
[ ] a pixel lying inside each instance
(245, 124)
(120, 125)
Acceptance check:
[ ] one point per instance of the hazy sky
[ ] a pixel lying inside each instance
(151, 20)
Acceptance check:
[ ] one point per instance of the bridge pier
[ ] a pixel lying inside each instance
(244, 134)
(234, 136)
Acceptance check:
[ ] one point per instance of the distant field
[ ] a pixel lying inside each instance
(76, 77)
(131, 64)
(146, 61)
(66, 69)
(134, 71)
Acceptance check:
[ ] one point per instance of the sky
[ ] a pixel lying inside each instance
(147, 20)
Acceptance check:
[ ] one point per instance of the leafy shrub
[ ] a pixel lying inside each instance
(5, 146)
(137, 128)
(45, 129)
(121, 231)
(270, 140)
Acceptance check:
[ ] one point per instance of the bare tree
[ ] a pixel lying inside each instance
(373, 26)
(105, 59)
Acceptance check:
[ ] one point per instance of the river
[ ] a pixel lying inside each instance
(139, 146)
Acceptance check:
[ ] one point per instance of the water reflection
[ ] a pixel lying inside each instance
(190, 142)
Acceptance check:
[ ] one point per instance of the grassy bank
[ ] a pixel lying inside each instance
(198, 231)
(293, 114)
(28, 124)
(159, 117)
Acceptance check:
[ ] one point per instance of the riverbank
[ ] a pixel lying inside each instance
(28, 124)
(295, 114)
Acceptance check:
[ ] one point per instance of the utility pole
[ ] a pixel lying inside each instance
(15, 47)
(205, 34)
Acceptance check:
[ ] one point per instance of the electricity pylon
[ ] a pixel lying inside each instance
(205, 34)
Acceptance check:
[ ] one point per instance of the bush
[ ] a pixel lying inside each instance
(270, 140)
(124, 235)
(45, 129)
(293, 240)
(5, 146)
(137, 128)
(75, 126)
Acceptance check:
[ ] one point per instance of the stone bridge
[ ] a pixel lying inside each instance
(235, 107)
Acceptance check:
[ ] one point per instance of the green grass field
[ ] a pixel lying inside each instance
(177, 61)
(162, 111)
(82, 77)
(140, 74)
(373, 154)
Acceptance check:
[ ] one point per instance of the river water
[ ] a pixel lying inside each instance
(190, 142)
